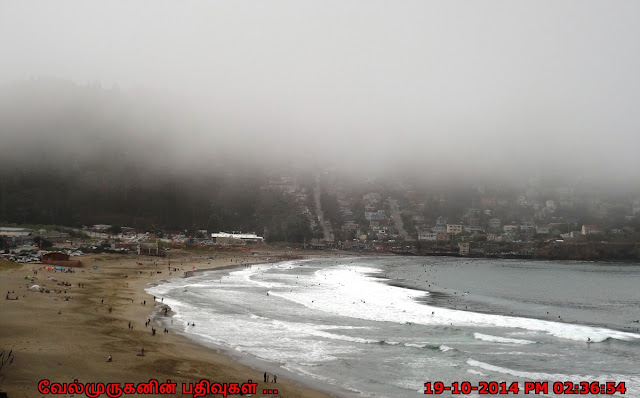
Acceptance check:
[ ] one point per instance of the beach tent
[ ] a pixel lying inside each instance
(35, 287)
(59, 268)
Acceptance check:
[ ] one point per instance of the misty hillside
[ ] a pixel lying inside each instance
(75, 155)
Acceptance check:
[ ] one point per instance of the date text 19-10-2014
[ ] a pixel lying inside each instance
(529, 387)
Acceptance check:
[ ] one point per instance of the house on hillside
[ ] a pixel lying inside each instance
(454, 228)
(590, 229)
(427, 236)
(54, 236)
(543, 229)
(463, 248)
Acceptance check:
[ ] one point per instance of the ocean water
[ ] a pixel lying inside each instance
(384, 326)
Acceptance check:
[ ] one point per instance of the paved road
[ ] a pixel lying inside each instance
(326, 225)
(397, 219)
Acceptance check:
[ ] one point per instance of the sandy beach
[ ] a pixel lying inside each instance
(69, 333)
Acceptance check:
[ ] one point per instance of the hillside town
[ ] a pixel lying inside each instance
(382, 217)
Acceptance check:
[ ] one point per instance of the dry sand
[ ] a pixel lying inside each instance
(61, 340)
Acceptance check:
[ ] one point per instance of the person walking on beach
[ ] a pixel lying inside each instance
(275, 378)
(265, 377)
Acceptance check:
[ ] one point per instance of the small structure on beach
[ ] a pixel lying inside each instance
(150, 249)
(49, 258)
(60, 259)
(315, 244)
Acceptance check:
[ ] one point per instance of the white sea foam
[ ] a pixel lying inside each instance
(475, 372)
(522, 333)
(313, 318)
(347, 291)
(496, 339)
(632, 382)
(533, 354)
(523, 374)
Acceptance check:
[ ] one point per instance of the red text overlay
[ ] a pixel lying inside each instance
(153, 386)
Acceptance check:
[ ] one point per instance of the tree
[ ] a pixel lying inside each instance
(115, 229)
(43, 243)
(295, 228)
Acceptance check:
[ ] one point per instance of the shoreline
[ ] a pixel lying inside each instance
(246, 359)
(69, 335)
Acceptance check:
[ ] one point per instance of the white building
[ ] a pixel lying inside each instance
(543, 229)
(236, 238)
(527, 227)
(589, 230)
(14, 232)
(428, 236)
(375, 215)
(551, 205)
